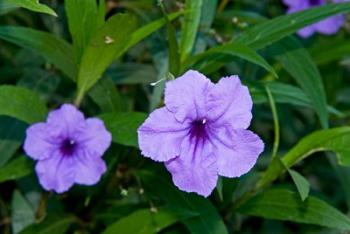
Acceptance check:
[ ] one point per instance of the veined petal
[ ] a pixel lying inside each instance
(38, 145)
(230, 102)
(186, 95)
(195, 169)
(89, 168)
(56, 173)
(160, 136)
(237, 150)
(94, 137)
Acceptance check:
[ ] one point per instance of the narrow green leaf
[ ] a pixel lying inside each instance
(22, 104)
(236, 50)
(298, 63)
(123, 126)
(16, 169)
(275, 29)
(146, 221)
(282, 204)
(331, 50)
(52, 224)
(33, 5)
(23, 213)
(83, 21)
(190, 26)
(107, 44)
(301, 183)
(55, 50)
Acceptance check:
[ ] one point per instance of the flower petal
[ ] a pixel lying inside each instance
(330, 25)
(38, 145)
(237, 150)
(195, 170)
(230, 102)
(89, 168)
(94, 137)
(186, 95)
(56, 173)
(160, 136)
(307, 31)
(65, 120)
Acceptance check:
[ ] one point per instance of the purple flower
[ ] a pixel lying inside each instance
(68, 148)
(201, 132)
(328, 26)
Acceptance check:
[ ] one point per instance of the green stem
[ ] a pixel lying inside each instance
(41, 212)
(275, 121)
(79, 98)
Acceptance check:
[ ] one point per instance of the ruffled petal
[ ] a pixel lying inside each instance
(38, 144)
(65, 121)
(160, 136)
(195, 170)
(186, 95)
(89, 168)
(236, 150)
(56, 173)
(94, 137)
(230, 102)
(330, 25)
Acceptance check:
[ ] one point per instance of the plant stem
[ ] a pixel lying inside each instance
(275, 121)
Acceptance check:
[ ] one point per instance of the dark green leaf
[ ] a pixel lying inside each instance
(33, 5)
(123, 126)
(22, 104)
(16, 169)
(286, 205)
(22, 213)
(132, 73)
(54, 49)
(301, 183)
(107, 44)
(52, 224)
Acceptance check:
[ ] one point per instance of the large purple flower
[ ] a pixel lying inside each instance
(201, 132)
(68, 148)
(328, 26)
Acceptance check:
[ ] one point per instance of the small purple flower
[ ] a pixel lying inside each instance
(201, 132)
(328, 26)
(68, 148)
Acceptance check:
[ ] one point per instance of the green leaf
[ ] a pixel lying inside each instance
(33, 5)
(83, 21)
(275, 29)
(55, 50)
(22, 104)
(132, 73)
(207, 220)
(301, 183)
(107, 44)
(331, 50)
(123, 126)
(190, 26)
(52, 224)
(17, 168)
(282, 204)
(144, 31)
(22, 213)
(146, 221)
(236, 50)
(12, 133)
(107, 96)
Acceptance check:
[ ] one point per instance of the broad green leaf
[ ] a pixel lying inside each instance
(83, 21)
(190, 26)
(282, 204)
(12, 133)
(301, 183)
(22, 213)
(144, 31)
(22, 104)
(270, 31)
(33, 5)
(298, 63)
(236, 50)
(146, 221)
(15, 169)
(207, 220)
(123, 126)
(52, 224)
(107, 96)
(106, 44)
(52, 48)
